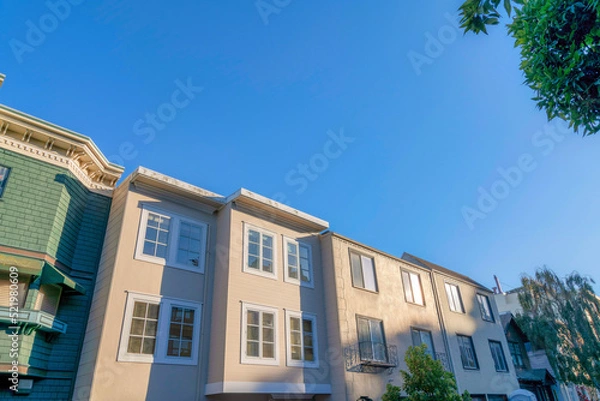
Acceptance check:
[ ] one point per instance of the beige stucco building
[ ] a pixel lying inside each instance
(207, 297)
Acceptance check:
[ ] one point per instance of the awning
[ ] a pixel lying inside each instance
(536, 376)
(51, 275)
(36, 267)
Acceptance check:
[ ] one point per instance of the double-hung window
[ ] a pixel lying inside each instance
(172, 240)
(161, 330)
(4, 173)
(423, 337)
(498, 356)
(259, 252)
(298, 263)
(485, 308)
(454, 299)
(371, 340)
(516, 354)
(301, 339)
(467, 352)
(363, 271)
(259, 340)
(413, 291)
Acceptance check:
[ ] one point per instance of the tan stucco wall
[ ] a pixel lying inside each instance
(233, 286)
(485, 380)
(130, 381)
(388, 305)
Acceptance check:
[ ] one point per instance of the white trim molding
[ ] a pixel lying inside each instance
(315, 346)
(175, 221)
(262, 233)
(267, 388)
(259, 360)
(162, 331)
(286, 273)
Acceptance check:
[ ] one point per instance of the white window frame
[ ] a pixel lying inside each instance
(298, 281)
(362, 271)
(259, 272)
(162, 332)
(452, 300)
(302, 316)
(252, 360)
(172, 240)
(418, 286)
(488, 304)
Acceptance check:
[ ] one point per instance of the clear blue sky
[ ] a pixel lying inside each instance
(423, 144)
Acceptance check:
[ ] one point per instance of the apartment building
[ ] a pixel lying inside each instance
(204, 295)
(55, 196)
(378, 305)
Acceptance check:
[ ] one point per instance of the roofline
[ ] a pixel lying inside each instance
(389, 255)
(451, 273)
(143, 173)
(67, 134)
(244, 193)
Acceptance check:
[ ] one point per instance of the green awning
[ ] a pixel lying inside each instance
(35, 267)
(51, 275)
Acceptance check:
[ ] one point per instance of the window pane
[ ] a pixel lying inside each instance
(176, 314)
(268, 266)
(253, 236)
(304, 252)
(356, 270)
(135, 345)
(292, 248)
(150, 329)
(416, 288)
(267, 319)
(252, 348)
(186, 349)
(148, 346)
(253, 333)
(252, 317)
(307, 325)
(188, 316)
(268, 351)
(295, 324)
(309, 354)
(267, 241)
(137, 327)
(369, 273)
(296, 353)
(407, 287)
(268, 335)
(295, 338)
(252, 262)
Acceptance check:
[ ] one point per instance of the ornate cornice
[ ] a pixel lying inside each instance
(47, 142)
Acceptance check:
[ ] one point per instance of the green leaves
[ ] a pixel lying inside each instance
(562, 317)
(560, 52)
(426, 379)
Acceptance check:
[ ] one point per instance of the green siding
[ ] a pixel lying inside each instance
(46, 209)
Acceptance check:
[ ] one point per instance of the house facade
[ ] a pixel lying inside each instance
(55, 197)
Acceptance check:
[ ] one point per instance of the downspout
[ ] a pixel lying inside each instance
(442, 322)
(207, 277)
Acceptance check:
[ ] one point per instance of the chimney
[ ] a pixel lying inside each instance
(498, 285)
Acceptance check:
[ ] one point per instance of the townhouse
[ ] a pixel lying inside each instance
(157, 289)
(378, 305)
(204, 295)
(55, 196)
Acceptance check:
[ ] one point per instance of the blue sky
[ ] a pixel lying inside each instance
(438, 125)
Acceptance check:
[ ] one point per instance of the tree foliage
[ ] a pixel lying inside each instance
(560, 52)
(563, 317)
(426, 379)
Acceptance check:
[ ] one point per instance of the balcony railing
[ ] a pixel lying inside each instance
(30, 320)
(370, 357)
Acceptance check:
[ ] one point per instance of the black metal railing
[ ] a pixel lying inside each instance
(371, 357)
